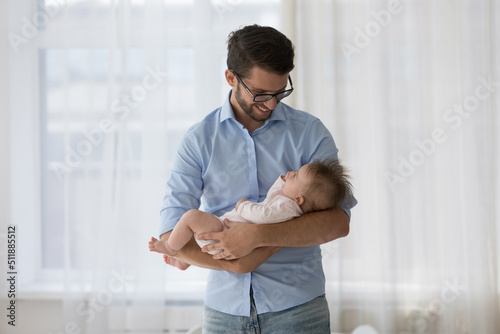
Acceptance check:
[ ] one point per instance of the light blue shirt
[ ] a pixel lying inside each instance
(219, 162)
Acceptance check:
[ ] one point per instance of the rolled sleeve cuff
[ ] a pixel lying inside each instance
(348, 204)
(169, 218)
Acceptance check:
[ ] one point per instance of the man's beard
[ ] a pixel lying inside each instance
(247, 108)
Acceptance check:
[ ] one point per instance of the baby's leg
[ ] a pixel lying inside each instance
(193, 221)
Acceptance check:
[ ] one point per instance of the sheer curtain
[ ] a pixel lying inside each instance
(101, 93)
(410, 91)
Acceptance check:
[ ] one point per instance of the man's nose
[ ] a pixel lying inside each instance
(271, 104)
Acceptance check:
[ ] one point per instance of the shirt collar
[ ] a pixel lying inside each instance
(228, 113)
(226, 110)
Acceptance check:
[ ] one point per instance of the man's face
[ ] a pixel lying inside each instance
(258, 82)
(259, 112)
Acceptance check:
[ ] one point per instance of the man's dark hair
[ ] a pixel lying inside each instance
(264, 47)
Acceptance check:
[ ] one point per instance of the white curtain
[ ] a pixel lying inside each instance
(101, 91)
(163, 64)
(110, 97)
(410, 91)
(100, 94)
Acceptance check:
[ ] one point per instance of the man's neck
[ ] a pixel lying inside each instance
(249, 123)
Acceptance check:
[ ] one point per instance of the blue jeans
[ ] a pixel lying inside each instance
(310, 318)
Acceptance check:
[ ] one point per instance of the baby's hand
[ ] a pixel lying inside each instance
(241, 201)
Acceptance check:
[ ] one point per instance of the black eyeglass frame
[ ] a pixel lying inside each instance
(266, 97)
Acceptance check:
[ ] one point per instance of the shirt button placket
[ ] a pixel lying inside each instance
(252, 168)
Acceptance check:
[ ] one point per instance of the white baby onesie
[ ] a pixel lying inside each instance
(275, 208)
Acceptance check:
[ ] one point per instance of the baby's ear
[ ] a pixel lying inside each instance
(299, 200)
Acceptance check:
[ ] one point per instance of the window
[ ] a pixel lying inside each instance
(104, 71)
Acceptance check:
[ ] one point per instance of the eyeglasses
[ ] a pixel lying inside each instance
(266, 97)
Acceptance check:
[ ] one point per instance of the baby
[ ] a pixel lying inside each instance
(320, 185)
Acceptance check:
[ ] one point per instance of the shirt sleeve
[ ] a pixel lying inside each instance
(184, 186)
(321, 144)
(279, 210)
(322, 147)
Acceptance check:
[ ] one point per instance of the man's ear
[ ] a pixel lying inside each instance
(299, 200)
(231, 78)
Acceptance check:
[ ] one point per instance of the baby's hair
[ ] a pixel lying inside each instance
(330, 185)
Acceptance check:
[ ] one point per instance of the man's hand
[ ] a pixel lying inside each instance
(190, 254)
(237, 241)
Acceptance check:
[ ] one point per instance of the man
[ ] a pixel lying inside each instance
(268, 278)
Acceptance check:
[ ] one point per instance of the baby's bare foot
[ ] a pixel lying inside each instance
(160, 246)
(176, 263)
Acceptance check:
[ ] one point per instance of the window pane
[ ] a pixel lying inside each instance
(79, 80)
(74, 99)
(76, 14)
(238, 13)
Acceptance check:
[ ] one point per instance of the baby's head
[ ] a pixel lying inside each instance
(320, 185)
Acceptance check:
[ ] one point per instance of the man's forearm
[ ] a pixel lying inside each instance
(311, 229)
(192, 254)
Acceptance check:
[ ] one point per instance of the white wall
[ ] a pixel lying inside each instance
(4, 117)
(5, 201)
(44, 316)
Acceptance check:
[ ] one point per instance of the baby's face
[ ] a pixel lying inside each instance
(295, 182)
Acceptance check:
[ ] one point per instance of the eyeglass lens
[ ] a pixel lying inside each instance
(267, 97)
